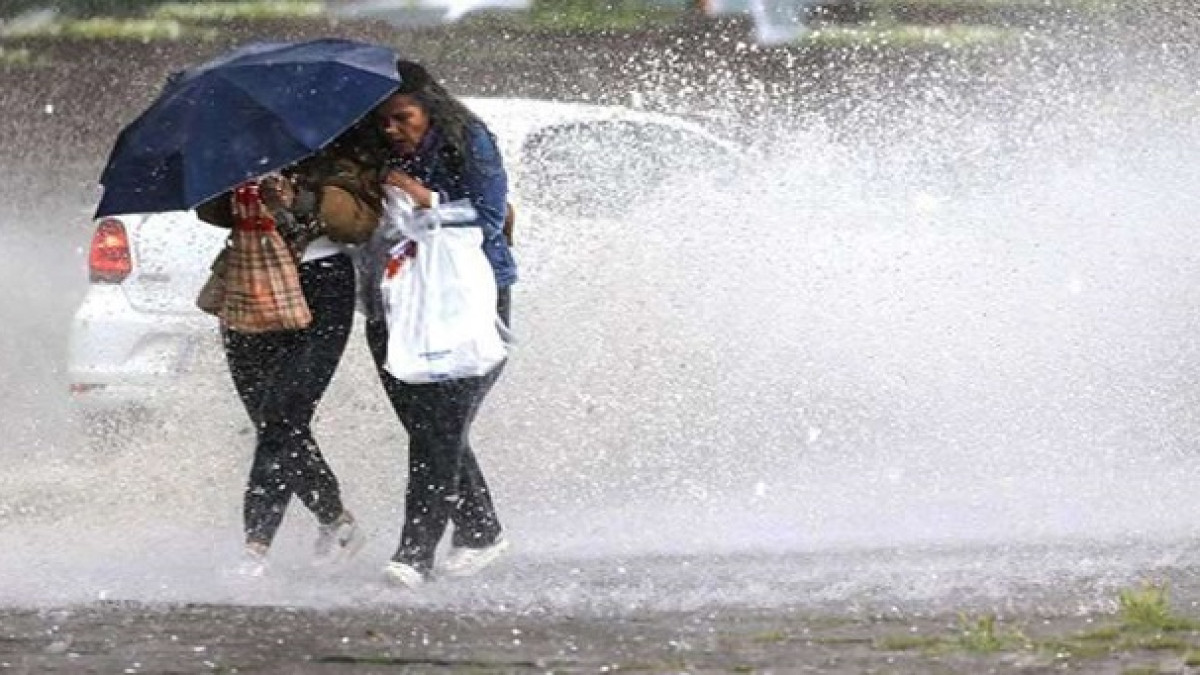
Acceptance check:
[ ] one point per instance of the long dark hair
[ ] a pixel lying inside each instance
(446, 113)
(363, 143)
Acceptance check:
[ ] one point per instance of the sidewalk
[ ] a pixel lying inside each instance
(121, 638)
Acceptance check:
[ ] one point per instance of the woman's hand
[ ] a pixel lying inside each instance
(413, 187)
(277, 192)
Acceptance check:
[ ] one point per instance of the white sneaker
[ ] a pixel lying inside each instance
(339, 541)
(253, 564)
(466, 562)
(403, 574)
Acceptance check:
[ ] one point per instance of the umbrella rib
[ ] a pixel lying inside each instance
(252, 95)
(391, 84)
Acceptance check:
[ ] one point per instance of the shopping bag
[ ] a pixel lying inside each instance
(439, 296)
(262, 281)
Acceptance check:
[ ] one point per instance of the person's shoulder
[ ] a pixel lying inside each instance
(482, 141)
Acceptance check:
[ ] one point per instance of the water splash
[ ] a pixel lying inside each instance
(954, 309)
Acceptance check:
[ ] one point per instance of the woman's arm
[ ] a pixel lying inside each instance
(485, 181)
(421, 195)
(349, 204)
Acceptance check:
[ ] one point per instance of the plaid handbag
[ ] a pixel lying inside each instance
(211, 298)
(261, 278)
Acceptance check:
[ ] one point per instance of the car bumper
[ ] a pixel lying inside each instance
(119, 357)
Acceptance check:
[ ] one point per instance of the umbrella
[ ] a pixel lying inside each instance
(253, 110)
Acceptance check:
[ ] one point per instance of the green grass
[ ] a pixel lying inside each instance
(592, 16)
(1148, 609)
(1100, 645)
(911, 36)
(1103, 634)
(842, 640)
(597, 17)
(1145, 623)
(979, 635)
(1076, 648)
(997, 4)
(177, 9)
(145, 30)
(15, 57)
(168, 21)
(243, 9)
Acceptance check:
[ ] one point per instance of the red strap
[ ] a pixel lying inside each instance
(249, 214)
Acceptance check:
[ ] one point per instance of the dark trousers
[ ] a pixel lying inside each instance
(445, 483)
(280, 377)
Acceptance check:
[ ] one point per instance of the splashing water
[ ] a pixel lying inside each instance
(932, 319)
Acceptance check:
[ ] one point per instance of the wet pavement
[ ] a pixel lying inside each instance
(1054, 608)
(200, 639)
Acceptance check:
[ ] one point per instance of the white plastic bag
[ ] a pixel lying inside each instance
(439, 294)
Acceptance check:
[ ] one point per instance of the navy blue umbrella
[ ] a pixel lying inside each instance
(253, 110)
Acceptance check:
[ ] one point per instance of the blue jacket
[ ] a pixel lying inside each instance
(480, 178)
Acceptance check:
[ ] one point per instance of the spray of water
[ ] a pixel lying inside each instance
(955, 309)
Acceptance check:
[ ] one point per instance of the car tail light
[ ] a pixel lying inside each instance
(109, 261)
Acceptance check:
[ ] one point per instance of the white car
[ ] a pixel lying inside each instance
(138, 343)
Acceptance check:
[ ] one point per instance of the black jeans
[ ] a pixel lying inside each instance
(445, 483)
(280, 377)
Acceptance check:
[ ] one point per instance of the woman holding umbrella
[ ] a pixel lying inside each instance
(321, 205)
(257, 108)
(441, 151)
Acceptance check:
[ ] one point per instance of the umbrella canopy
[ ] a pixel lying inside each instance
(253, 110)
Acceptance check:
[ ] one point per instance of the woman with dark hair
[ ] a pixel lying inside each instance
(442, 152)
(320, 207)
